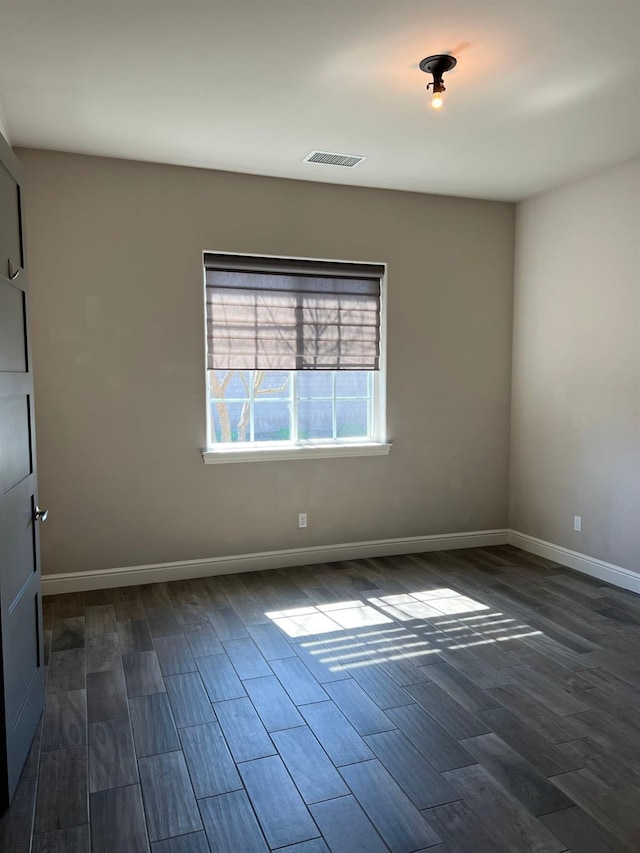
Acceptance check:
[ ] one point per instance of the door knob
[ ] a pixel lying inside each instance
(41, 514)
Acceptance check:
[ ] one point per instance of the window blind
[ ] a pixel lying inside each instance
(278, 314)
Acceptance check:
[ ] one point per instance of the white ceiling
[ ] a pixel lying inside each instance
(544, 90)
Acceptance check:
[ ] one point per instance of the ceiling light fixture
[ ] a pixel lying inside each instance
(437, 65)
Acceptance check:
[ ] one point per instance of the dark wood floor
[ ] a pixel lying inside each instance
(480, 701)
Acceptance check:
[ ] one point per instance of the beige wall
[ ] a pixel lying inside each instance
(114, 249)
(575, 447)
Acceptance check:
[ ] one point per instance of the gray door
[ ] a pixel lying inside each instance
(22, 675)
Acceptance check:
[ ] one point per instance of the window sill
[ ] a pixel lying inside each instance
(277, 454)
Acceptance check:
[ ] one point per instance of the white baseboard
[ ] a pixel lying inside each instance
(616, 575)
(133, 575)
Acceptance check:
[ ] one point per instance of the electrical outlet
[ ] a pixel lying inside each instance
(302, 519)
(577, 523)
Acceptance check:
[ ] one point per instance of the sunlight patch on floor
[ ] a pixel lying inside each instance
(441, 619)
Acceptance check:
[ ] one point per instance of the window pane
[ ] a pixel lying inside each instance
(352, 383)
(272, 420)
(229, 384)
(272, 383)
(315, 383)
(228, 423)
(315, 419)
(351, 418)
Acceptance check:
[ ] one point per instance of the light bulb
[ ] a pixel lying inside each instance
(436, 100)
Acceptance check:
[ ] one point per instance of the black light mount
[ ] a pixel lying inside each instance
(437, 65)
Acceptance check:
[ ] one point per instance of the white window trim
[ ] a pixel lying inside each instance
(257, 453)
(279, 451)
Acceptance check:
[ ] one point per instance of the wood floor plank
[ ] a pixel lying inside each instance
(142, 674)
(246, 658)
(316, 845)
(65, 720)
(75, 839)
(475, 669)
(102, 652)
(106, 695)
(62, 790)
(620, 739)
(66, 671)
(538, 751)
(318, 663)
(503, 816)
(226, 623)
(614, 705)
(203, 640)
(243, 729)
(588, 632)
(361, 711)
(154, 595)
(117, 821)
(397, 820)
(618, 813)
(461, 688)
(220, 678)
(68, 634)
(70, 606)
(189, 701)
(48, 612)
(100, 619)
(518, 776)
(575, 584)
(162, 621)
(537, 716)
(402, 671)
(340, 740)
(134, 636)
(462, 830)
(380, 687)
(296, 679)
(313, 773)
(615, 685)
(210, 764)
(174, 655)
(557, 699)
(271, 641)
(554, 629)
(98, 597)
(452, 716)
(579, 831)
(559, 654)
(154, 729)
(128, 603)
(346, 827)
(275, 708)
(169, 802)
(281, 812)
(619, 772)
(500, 655)
(231, 824)
(112, 758)
(17, 821)
(420, 781)
(437, 745)
(562, 676)
(195, 842)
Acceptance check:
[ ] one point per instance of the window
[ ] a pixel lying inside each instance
(293, 358)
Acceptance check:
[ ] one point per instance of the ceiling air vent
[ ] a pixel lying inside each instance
(330, 158)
